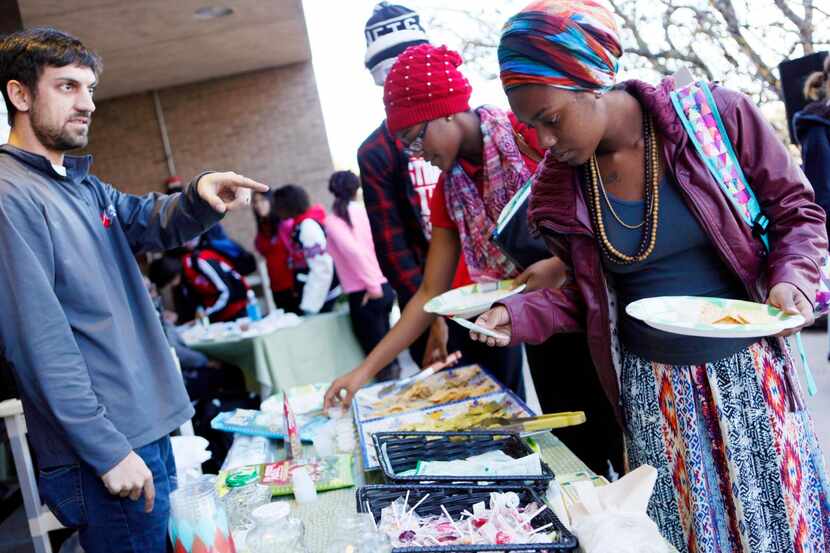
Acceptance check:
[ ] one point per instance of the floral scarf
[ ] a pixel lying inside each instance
(476, 214)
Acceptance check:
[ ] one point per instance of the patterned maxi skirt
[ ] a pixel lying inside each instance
(739, 469)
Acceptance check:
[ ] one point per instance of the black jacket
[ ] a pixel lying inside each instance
(812, 128)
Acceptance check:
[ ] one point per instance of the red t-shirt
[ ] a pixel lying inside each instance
(441, 215)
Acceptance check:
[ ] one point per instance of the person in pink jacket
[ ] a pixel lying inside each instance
(350, 245)
(629, 206)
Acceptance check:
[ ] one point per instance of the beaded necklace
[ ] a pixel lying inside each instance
(596, 191)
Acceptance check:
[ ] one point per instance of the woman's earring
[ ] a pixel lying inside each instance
(449, 118)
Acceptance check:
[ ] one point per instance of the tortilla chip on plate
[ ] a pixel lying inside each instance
(733, 315)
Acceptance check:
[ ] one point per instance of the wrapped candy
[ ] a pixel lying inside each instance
(505, 521)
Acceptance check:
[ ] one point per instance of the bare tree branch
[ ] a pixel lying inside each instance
(790, 14)
(808, 25)
(765, 72)
(642, 45)
(802, 23)
(658, 60)
(739, 42)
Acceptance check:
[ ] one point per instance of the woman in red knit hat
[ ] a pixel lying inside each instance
(485, 156)
(427, 109)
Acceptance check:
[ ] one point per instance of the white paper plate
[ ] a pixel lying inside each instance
(473, 300)
(682, 315)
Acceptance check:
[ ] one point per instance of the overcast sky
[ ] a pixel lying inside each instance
(352, 103)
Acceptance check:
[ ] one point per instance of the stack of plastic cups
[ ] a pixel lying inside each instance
(336, 436)
(198, 522)
(345, 436)
(303, 486)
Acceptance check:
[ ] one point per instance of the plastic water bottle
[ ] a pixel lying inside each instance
(253, 307)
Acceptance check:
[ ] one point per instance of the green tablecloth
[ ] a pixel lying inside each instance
(321, 348)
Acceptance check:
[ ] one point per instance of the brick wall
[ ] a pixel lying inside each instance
(267, 125)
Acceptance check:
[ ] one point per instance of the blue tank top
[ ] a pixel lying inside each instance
(684, 263)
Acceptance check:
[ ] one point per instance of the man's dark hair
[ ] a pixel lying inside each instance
(291, 199)
(24, 54)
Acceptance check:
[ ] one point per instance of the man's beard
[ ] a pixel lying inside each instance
(59, 139)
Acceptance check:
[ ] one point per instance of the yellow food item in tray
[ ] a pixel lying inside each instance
(471, 418)
(420, 390)
(457, 394)
(463, 383)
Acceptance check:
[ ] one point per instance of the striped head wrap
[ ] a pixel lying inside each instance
(570, 44)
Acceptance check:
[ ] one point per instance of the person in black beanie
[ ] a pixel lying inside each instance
(397, 190)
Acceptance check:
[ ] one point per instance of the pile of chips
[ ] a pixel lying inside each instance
(504, 521)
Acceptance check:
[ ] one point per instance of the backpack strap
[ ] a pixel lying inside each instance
(698, 112)
(699, 115)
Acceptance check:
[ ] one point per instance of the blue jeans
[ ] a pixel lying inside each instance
(107, 523)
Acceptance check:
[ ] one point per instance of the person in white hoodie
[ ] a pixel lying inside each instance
(309, 258)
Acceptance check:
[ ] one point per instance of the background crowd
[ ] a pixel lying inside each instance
(621, 208)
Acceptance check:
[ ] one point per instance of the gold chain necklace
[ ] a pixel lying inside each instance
(611, 206)
(647, 246)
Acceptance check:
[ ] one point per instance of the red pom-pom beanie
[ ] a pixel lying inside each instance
(424, 84)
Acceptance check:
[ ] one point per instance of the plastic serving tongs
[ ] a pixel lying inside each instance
(405, 384)
(529, 425)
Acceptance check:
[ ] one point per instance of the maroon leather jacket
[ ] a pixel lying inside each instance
(586, 303)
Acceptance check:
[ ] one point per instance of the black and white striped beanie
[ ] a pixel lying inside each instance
(391, 30)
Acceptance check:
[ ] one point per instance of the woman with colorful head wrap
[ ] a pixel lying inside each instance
(626, 201)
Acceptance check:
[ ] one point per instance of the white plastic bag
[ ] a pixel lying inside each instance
(619, 532)
(189, 452)
(613, 519)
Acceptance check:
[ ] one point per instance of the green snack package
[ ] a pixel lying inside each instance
(328, 473)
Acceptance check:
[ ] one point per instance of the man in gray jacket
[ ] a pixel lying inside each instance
(99, 388)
